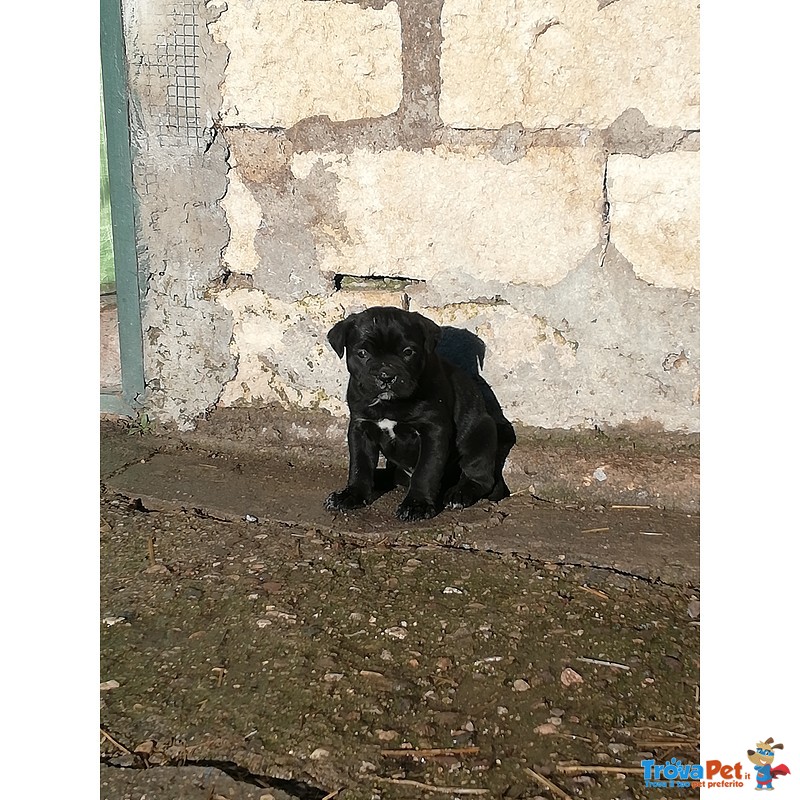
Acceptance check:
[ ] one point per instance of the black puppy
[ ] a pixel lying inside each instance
(425, 415)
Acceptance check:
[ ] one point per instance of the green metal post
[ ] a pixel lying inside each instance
(120, 173)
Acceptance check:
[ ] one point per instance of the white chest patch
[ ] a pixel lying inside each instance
(387, 425)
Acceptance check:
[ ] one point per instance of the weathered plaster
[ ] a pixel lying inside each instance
(282, 350)
(601, 348)
(182, 229)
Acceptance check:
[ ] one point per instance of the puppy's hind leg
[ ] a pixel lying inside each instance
(477, 448)
(506, 439)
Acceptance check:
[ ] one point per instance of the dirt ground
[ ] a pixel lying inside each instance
(255, 646)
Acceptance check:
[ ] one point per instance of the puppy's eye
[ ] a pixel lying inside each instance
(409, 352)
(362, 353)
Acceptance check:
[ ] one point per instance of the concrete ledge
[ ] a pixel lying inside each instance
(622, 466)
(269, 476)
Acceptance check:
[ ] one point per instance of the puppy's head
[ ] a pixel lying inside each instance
(387, 350)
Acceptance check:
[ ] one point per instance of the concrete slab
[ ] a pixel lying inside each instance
(289, 490)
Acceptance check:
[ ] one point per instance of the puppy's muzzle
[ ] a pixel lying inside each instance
(385, 379)
(389, 382)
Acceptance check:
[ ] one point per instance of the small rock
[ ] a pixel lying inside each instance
(557, 712)
(521, 685)
(126, 761)
(545, 729)
(452, 590)
(569, 677)
(158, 569)
(386, 736)
(694, 608)
(333, 677)
(554, 720)
(319, 754)
(106, 685)
(145, 748)
(600, 474)
(396, 632)
(443, 664)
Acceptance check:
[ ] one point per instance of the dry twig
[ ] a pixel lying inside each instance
(572, 769)
(542, 781)
(113, 741)
(595, 592)
(425, 752)
(648, 744)
(431, 788)
(602, 663)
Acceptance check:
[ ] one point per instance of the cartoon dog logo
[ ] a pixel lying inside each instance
(762, 757)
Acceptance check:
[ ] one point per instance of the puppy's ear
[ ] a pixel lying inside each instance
(337, 335)
(431, 331)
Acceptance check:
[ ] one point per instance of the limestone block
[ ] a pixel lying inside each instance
(655, 216)
(291, 59)
(547, 63)
(468, 217)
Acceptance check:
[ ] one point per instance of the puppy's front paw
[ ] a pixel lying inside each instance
(345, 499)
(412, 510)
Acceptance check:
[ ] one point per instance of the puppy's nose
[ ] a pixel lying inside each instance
(386, 379)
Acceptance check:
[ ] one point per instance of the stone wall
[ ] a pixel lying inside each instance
(525, 169)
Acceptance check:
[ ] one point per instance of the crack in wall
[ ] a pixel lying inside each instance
(606, 219)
